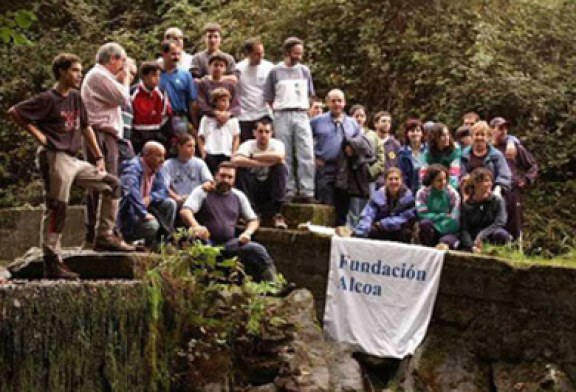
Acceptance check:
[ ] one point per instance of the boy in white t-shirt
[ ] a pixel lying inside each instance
(262, 173)
(217, 142)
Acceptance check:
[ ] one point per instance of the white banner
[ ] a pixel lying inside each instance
(381, 294)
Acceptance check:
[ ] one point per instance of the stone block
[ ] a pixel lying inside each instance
(317, 214)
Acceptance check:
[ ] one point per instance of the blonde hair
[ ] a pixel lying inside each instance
(481, 126)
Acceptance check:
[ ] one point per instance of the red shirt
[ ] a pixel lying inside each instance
(151, 108)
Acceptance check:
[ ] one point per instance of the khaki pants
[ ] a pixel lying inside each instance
(59, 171)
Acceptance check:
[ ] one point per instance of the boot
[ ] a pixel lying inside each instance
(54, 268)
(110, 242)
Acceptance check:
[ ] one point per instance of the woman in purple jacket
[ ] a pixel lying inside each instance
(391, 212)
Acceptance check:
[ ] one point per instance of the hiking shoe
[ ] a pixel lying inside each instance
(110, 242)
(54, 268)
(279, 222)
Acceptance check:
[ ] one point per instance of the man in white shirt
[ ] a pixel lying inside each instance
(288, 89)
(176, 35)
(262, 173)
(252, 73)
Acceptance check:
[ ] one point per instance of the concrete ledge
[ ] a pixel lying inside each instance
(87, 263)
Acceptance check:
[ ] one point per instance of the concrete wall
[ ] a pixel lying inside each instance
(20, 230)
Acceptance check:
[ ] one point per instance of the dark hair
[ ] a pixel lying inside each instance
(147, 67)
(291, 42)
(410, 125)
(250, 44)
(212, 27)
(463, 131)
(166, 44)
(225, 165)
(185, 138)
(355, 108)
(393, 169)
(62, 62)
(381, 114)
(435, 133)
(264, 121)
(432, 172)
(478, 175)
(218, 56)
(218, 93)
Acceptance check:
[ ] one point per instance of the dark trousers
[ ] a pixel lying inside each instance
(327, 193)
(515, 213)
(429, 236)
(253, 255)
(404, 234)
(247, 130)
(326, 183)
(140, 137)
(109, 146)
(266, 195)
(214, 160)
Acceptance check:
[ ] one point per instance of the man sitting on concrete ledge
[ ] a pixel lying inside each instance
(146, 210)
(262, 173)
(57, 119)
(212, 216)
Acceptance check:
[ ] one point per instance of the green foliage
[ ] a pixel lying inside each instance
(209, 305)
(435, 60)
(13, 24)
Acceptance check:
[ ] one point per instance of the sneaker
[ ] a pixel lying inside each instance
(110, 242)
(54, 268)
(279, 222)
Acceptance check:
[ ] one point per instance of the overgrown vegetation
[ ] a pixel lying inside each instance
(205, 315)
(435, 60)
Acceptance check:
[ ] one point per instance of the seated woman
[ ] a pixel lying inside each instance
(438, 207)
(442, 150)
(390, 214)
(410, 157)
(483, 214)
(482, 154)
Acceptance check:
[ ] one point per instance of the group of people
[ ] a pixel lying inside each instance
(201, 141)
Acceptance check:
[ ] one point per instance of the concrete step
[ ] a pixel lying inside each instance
(87, 263)
(317, 214)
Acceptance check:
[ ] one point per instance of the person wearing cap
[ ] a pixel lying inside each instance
(524, 172)
(176, 35)
(200, 66)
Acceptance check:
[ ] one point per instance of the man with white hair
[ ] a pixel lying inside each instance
(176, 35)
(105, 91)
(146, 210)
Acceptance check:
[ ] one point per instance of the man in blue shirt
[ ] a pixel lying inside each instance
(179, 86)
(330, 130)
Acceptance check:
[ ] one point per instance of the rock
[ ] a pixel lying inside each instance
(530, 377)
(4, 274)
(446, 365)
(89, 264)
(345, 371)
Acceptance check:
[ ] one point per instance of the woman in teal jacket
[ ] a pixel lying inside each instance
(438, 207)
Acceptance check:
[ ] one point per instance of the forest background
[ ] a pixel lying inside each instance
(431, 59)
